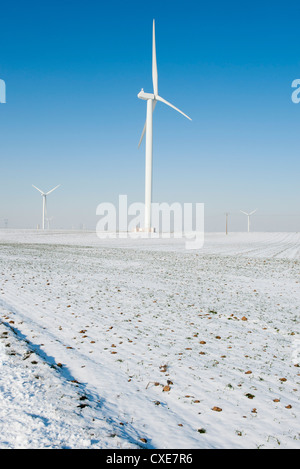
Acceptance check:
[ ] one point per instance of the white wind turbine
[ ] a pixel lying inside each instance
(151, 99)
(249, 215)
(226, 224)
(44, 195)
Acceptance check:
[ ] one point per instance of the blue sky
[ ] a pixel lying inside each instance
(73, 70)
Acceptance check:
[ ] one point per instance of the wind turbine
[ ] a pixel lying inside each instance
(249, 215)
(226, 224)
(151, 99)
(44, 195)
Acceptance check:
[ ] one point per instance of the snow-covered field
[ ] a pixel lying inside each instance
(128, 343)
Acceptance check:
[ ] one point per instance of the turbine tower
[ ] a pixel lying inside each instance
(249, 215)
(151, 99)
(44, 195)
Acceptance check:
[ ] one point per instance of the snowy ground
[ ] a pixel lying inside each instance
(142, 343)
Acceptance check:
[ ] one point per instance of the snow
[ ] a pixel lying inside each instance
(92, 330)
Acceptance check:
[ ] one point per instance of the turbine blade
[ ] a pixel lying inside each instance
(154, 64)
(143, 133)
(38, 189)
(171, 105)
(52, 189)
(144, 129)
(251, 213)
(244, 212)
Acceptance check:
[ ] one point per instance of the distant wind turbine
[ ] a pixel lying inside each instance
(151, 99)
(249, 215)
(44, 195)
(226, 224)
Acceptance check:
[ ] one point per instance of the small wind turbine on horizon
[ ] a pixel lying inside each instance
(151, 99)
(249, 215)
(44, 195)
(226, 223)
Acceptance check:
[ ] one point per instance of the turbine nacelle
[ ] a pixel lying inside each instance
(146, 96)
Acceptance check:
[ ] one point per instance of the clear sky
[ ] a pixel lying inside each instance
(73, 70)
